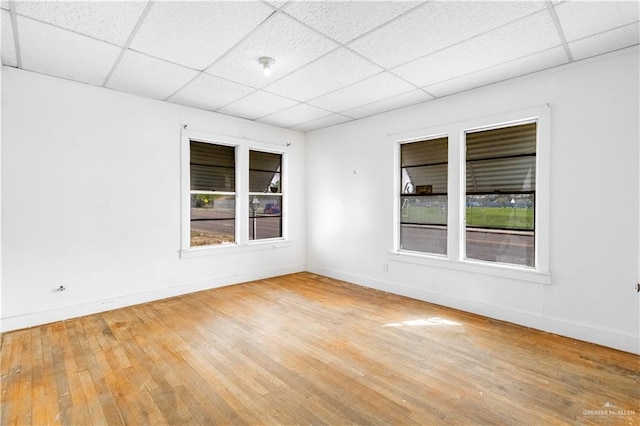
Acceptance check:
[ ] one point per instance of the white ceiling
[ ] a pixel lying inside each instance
(336, 61)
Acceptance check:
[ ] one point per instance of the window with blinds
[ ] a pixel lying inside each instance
(265, 195)
(213, 193)
(423, 196)
(501, 195)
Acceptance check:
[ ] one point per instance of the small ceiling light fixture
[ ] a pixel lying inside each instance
(266, 62)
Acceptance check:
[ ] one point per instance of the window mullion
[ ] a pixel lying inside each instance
(242, 202)
(456, 193)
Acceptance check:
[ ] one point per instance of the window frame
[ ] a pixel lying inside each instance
(463, 205)
(401, 194)
(242, 242)
(281, 194)
(233, 194)
(455, 258)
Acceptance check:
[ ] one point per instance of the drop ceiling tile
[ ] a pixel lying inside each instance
(290, 43)
(257, 104)
(321, 123)
(437, 25)
(517, 39)
(109, 21)
(580, 19)
(147, 76)
(536, 62)
(4, 4)
(54, 51)
(194, 34)
(297, 114)
(278, 4)
(209, 92)
(344, 21)
(8, 42)
(372, 89)
(333, 71)
(619, 38)
(394, 102)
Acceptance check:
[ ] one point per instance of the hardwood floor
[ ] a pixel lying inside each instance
(303, 349)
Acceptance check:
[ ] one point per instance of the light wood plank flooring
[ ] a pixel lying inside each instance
(305, 349)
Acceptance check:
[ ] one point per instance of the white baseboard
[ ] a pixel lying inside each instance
(609, 338)
(64, 313)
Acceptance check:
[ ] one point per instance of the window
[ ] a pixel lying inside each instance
(265, 195)
(501, 194)
(423, 196)
(213, 194)
(477, 199)
(232, 194)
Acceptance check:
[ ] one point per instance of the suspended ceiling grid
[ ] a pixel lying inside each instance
(335, 61)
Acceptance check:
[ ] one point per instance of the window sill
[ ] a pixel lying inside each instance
(475, 267)
(234, 248)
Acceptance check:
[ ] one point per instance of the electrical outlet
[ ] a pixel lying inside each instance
(385, 267)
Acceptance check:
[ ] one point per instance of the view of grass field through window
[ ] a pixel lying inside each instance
(499, 200)
(423, 199)
(500, 194)
(520, 218)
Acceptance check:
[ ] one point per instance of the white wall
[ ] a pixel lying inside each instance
(594, 250)
(1, 102)
(91, 201)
